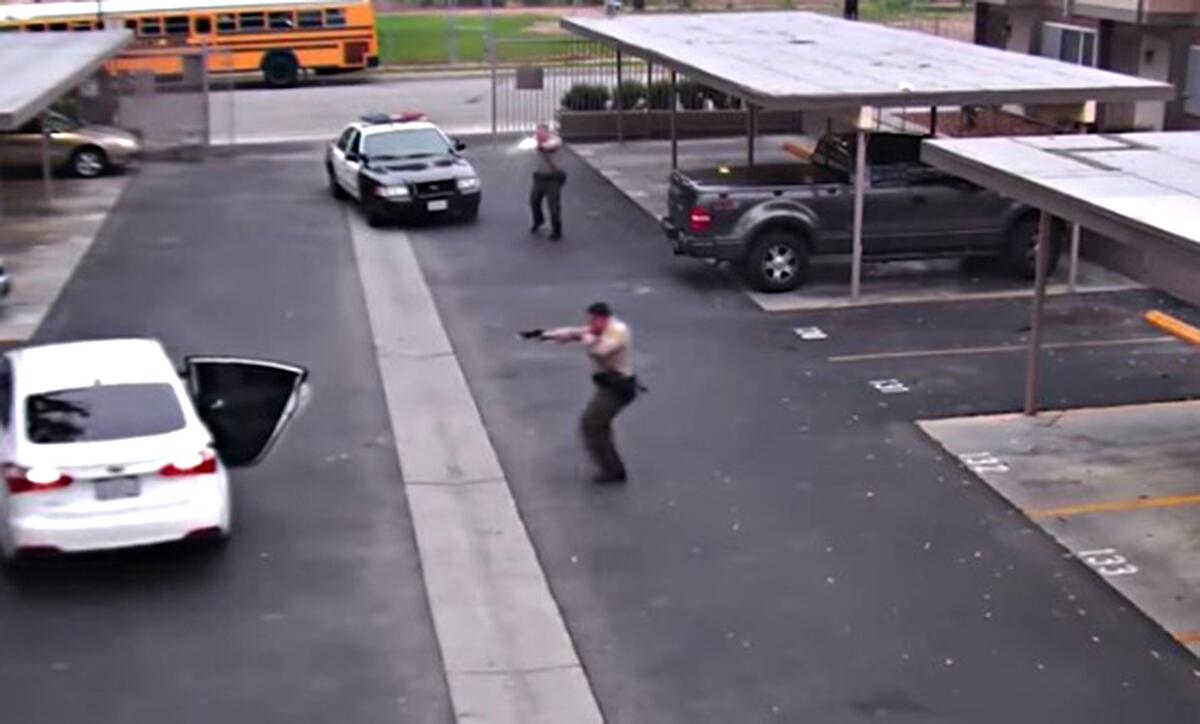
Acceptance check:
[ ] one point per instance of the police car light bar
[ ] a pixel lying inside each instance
(406, 117)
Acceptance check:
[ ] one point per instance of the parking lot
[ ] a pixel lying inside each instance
(791, 546)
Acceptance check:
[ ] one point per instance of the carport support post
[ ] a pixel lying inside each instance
(1035, 320)
(674, 136)
(751, 131)
(46, 190)
(860, 183)
(619, 101)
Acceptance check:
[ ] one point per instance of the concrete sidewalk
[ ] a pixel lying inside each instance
(1115, 486)
(42, 242)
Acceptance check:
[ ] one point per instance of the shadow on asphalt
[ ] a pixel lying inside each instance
(112, 573)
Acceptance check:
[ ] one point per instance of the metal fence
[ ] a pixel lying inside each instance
(534, 78)
(166, 97)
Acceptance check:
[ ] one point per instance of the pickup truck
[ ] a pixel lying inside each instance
(772, 218)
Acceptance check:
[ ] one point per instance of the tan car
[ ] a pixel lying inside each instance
(82, 149)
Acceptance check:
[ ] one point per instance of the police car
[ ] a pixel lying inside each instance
(400, 167)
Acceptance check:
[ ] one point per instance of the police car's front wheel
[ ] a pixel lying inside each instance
(335, 188)
(375, 216)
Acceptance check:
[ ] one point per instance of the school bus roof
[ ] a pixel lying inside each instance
(45, 11)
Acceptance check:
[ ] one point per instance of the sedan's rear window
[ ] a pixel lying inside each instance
(103, 412)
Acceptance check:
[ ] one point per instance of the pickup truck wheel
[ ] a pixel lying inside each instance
(777, 262)
(1020, 253)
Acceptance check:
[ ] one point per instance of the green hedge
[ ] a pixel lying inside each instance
(586, 97)
(657, 96)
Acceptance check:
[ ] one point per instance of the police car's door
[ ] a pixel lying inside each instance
(351, 164)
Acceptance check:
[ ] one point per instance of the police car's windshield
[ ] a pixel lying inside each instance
(412, 143)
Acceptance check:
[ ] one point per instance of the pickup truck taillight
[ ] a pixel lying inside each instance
(699, 220)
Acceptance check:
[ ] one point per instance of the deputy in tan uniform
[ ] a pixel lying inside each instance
(548, 180)
(607, 341)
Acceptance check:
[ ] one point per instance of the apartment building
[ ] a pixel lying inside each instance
(1157, 39)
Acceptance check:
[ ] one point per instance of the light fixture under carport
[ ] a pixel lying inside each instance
(807, 62)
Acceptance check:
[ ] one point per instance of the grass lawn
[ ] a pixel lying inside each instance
(418, 39)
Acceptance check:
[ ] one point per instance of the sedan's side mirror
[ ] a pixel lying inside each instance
(353, 158)
(459, 145)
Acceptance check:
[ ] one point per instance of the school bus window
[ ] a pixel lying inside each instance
(177, 25)
(281, 21)
(251, 21)
(131, 25)
(226, 23)
(151, 26)
(35, 28)
(80, 26)
(58, 27)
(335, 17)
(203, 24)
(310, 18)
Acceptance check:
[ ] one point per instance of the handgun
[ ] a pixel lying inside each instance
(531, 334)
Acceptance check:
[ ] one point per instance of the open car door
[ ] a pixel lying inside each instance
(246, 403)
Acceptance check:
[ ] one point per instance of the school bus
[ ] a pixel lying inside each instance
(282, 39)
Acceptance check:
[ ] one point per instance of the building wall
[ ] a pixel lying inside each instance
(1156, 48)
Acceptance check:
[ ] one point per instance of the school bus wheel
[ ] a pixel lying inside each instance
(280, 69)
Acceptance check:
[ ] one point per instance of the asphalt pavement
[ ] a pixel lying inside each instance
(315, 611)
(790, 547)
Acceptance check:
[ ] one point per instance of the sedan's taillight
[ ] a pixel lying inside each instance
(202, 463)
(699, 220)
(34, 480)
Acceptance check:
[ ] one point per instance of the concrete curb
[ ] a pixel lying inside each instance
(507, 654)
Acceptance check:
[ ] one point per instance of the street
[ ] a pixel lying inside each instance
(789, 547)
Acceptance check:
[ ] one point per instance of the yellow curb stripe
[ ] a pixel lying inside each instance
(1116, 506)
(1175, 327)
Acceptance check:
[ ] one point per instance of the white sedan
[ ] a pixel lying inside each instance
(105, 445)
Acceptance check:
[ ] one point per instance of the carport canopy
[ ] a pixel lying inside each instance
(39, 68)
(805, 61)
(1141, 189)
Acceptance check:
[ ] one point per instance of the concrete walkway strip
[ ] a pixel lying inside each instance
(506, 650)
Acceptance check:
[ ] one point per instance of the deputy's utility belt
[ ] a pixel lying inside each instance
(626, 387)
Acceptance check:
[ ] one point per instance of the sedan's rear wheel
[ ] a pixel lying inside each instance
(89, 162)
(777, 262)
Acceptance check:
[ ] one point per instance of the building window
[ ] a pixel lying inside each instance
(1191, 95)
(1069, 43)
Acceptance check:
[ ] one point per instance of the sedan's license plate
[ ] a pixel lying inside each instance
(115, 488)
(439, 205)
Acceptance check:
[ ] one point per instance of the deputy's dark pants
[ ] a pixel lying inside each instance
(548, 186)
(596, 426)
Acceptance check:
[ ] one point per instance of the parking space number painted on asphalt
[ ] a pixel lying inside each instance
(811, 333)
(1106, 562)
(889, 387)
(983, 462)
